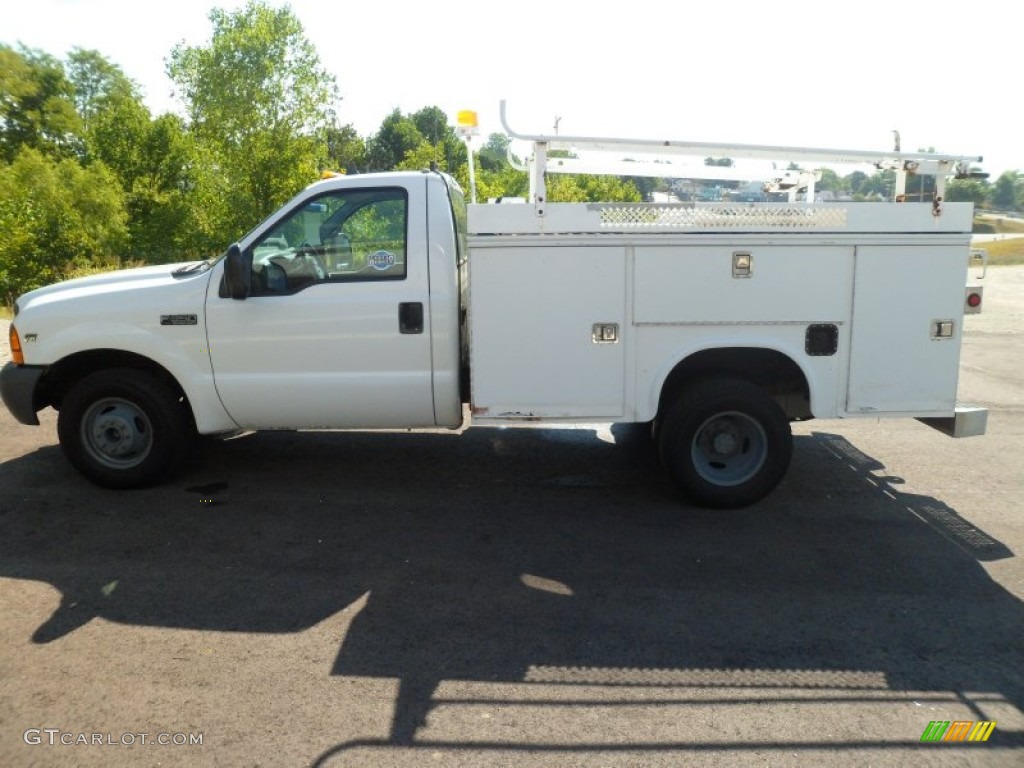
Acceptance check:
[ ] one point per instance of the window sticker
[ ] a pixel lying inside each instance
(381, 260)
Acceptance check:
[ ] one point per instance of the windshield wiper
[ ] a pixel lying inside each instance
(189, 269)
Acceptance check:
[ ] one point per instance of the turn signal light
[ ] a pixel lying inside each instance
(17, 357)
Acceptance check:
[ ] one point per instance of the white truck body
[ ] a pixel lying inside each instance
(383, 301)
(883, 274)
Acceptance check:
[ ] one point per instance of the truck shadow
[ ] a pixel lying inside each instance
(531, 555)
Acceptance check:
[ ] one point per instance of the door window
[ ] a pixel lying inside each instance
(341, 236)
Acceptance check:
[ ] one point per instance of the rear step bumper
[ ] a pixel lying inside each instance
(967, 421)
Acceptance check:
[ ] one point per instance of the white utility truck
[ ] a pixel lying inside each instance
(384, 301)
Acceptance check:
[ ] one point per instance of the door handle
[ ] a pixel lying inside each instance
(410, 317)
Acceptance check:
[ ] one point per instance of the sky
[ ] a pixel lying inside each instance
(786, 72)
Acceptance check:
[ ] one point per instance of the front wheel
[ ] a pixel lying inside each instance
(725, 442)
(122, 428)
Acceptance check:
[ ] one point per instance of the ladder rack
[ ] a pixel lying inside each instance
(903, 163)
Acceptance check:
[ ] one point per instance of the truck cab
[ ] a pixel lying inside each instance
(343, 310)
(339, 310)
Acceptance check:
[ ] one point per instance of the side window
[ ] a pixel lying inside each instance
(341, 236)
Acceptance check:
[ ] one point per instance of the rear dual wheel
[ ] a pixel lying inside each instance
(725, 442)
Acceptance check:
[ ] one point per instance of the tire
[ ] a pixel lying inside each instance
(123, 428)
(725, 442)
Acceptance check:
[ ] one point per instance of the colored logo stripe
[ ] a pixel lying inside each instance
(982, 731)
(958, 730)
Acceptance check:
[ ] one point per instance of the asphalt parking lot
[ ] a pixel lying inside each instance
(529, 597)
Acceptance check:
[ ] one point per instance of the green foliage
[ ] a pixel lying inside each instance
(346, 150)
(593, 189)
(1015, 226)
(1005, 191)
(56, 217)
(423, 156)
(260, 105)
(830, 181)
(89, 178)
(96, 83)
(432, 123)
(967, 190)
(258, 72)
(396, 138)
(116, 135)
(992, 224)
(493, 185)
(1008, 251)
(856, 181)
(879, 185)
(36, 107)
(415, 141)
(494, 154)
(155, 162)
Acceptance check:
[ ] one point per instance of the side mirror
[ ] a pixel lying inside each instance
(237, 272)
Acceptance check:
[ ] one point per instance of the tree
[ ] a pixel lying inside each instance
(56, 217)
(1004, 191)
(346, 150)
(829, 181)
(96, 82)
(175, 201)
(116, 134)
(36, 107)
(154, 161)
(493, 156)
(724, 162)
(396, 138)
(880, 184)
(259, 105)
(594, 189)
(493, 185)
(855, 180)
(432, 123)
(967, 190)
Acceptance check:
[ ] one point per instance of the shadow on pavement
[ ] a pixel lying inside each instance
(533, 556)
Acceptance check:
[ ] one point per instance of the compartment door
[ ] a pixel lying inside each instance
(898, 363)
(532, 317)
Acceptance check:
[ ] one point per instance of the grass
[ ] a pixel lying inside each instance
(1009, 251)
(991, 224)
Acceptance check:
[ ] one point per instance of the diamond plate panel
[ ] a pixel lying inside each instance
(655, 217)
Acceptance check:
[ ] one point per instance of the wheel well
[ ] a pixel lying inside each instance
(769, 369)
(65, 373)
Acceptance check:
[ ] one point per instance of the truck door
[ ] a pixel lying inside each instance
(335, 331)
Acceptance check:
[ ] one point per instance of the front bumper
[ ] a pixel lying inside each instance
(18, 390)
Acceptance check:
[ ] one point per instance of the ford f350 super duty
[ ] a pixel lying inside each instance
(384, 301)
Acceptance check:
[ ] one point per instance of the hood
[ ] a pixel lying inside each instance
(111, 282)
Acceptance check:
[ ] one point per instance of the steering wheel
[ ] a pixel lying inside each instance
(309, 253)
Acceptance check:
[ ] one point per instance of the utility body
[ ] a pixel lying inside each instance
(385, 301)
